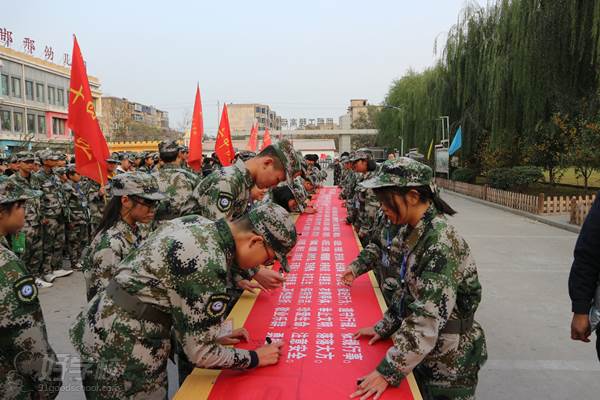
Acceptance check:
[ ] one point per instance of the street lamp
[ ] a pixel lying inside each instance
(402, 109)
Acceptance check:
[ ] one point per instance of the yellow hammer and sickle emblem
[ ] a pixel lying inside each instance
(77, 93)
(84, 146)
(90, 109)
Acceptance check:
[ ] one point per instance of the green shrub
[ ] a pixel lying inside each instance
(464, 175)
(516, 178)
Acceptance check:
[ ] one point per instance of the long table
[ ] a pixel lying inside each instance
(315, 315)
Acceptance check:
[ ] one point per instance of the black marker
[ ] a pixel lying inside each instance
(268, 340)
(359, 381)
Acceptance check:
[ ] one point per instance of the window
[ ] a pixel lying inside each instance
(5, 120)
(18, 121)
(257, 110)
(39, 92)
(16, 86)
(51, 95)
(30, 123)
(58, 126)
(60, 97)
(4, 85)
(29, 90)
(41, 124)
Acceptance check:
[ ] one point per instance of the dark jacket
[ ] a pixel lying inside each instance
(585, 271)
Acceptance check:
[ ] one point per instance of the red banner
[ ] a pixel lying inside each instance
(197, 131)
(253, 140)
(315, 315)
(223, 146)
(89, 144)
(266, 139)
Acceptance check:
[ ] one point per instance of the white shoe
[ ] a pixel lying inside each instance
(42, 284)
(49, 277)
(59, 273)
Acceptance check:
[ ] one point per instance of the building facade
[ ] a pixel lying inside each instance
(123, 119)
(34, 96)
(242, 117)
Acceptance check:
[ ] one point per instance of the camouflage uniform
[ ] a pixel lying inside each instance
(78, 230)
(431, 316)
(100, 259)
(176, 182)
(181, 274)
(52, 206)
(33, 252)
(382, 255)
(28, 366)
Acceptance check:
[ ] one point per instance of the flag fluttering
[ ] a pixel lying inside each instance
(456, 142)
(253, 140)
(196, 133)
(266, 139)
(89, 144)
(223, 146)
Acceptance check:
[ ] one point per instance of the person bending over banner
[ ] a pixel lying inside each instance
(431, 316)
(177, 279)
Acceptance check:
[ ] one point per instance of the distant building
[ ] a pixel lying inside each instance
(123, 119)
(359, 109)
(242, 117)
(34, 96)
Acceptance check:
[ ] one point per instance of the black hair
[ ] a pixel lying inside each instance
(386, 196)
(244, 224)
(169, 156)
(371, 165)
(8, 207)
(270, 151)
(282, 195)
(112, 213)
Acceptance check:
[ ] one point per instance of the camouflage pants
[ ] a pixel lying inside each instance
(122, 358)
(53, 234)
(77, 239)
(33, 254)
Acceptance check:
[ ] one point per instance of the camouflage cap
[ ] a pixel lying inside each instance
(344, 159)
(401, 172)
(60, 170)
(138, 184)
(288, 157)
(11, 191)
(114, 158)
(274, 224)
(362, 154)
(169, 146)
(185, 149)
(24, 156)
(49, 155)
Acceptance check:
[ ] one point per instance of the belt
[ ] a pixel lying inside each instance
(458, 326)
(133, 305)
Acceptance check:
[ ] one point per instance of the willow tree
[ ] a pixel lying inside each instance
(503, 70)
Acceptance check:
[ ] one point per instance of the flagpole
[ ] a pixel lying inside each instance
(101, 182)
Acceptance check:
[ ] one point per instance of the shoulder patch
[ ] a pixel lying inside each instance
(217, 305)
(224, 202)
(26, 290)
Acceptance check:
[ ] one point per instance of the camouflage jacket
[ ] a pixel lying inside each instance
(225, 193)
(368, 205)
(95, 200)
(100, 259)
(32, 206)
(79, 210)
(183, 269)
(53, 200)
(28, 366)
(178, 184)
(441, 283)
(382, 256)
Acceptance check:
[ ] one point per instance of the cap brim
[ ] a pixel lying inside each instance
(152, 196)
(374, 183)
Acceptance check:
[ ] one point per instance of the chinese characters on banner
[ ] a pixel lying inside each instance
(315, 315)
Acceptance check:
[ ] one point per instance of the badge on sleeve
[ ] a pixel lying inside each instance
(217, 305)
(224, 202)
(26, 290)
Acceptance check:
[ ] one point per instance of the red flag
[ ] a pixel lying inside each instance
(266, 139)
(223, 146)
(197, 131)
(91, 150)
(253, 140)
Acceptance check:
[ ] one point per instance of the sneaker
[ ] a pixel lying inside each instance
(49, 277)
(42, 284)
(59, 273)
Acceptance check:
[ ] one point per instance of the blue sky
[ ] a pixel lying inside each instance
(304, 58)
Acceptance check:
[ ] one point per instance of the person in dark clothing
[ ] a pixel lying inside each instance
(585, 275)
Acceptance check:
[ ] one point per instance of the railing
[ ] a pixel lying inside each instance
(577, 207)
